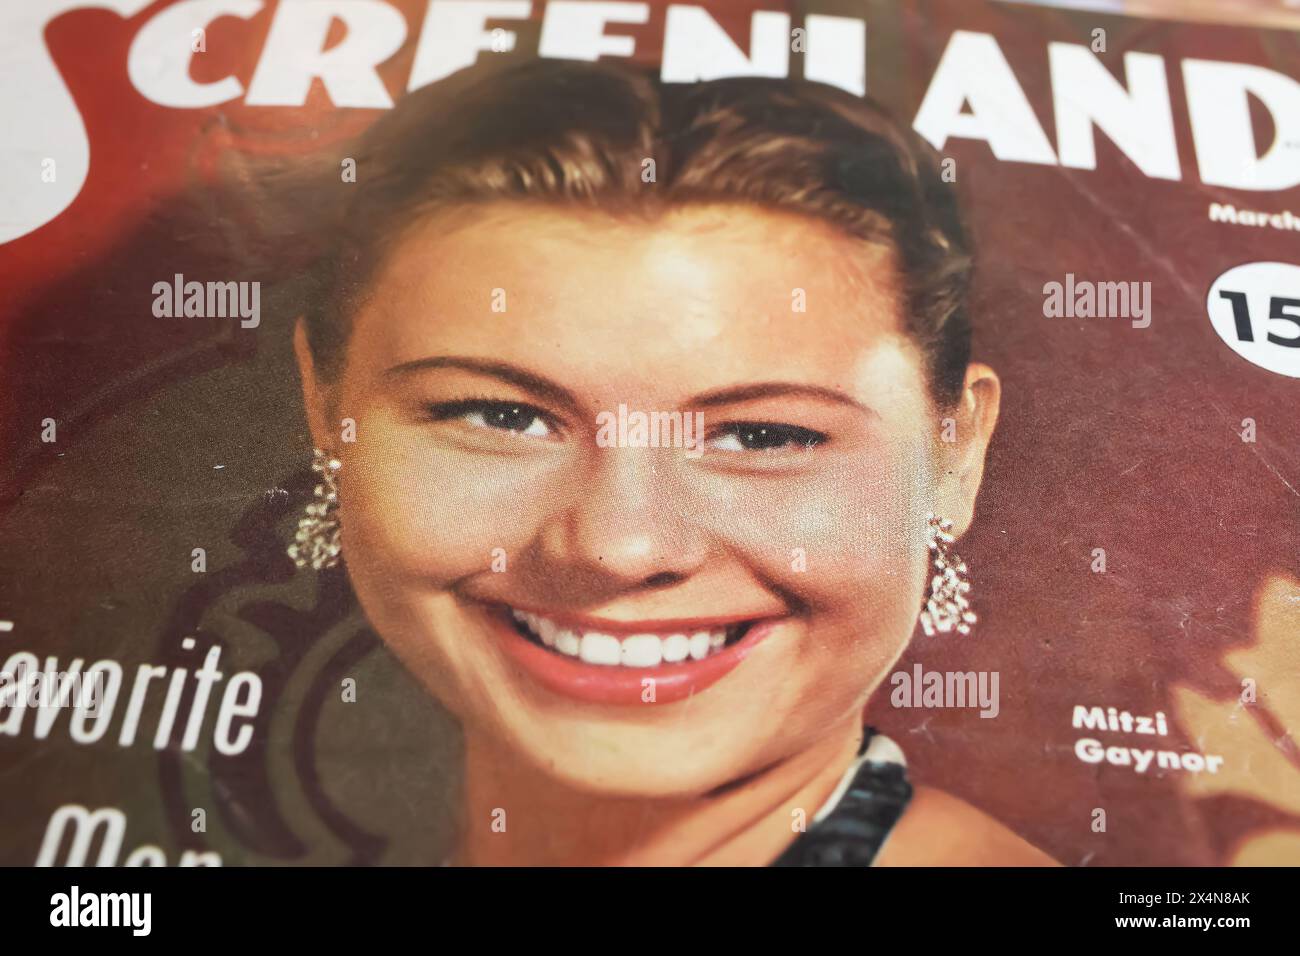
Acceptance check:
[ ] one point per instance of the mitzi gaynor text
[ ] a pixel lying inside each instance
(1139, 759)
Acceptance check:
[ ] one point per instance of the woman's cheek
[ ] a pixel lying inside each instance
(438, 513)
(846, 537)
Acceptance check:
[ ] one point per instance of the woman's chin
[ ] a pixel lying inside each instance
(613, 762)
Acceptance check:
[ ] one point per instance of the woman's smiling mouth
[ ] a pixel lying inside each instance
(616, 662)
(642, 649)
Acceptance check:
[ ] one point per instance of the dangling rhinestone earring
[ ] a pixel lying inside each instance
(317, 539)
(948, 607)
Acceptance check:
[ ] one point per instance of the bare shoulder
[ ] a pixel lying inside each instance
(938, 829)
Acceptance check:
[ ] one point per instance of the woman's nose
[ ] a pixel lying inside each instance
(633, 522)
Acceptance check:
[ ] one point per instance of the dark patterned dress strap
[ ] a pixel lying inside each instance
(852, 827)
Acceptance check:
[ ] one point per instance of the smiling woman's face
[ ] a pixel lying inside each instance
(476, 486)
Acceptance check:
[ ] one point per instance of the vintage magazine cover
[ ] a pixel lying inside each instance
(537, 432)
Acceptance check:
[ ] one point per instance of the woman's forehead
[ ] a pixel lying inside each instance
(652, 310)
(694, 273)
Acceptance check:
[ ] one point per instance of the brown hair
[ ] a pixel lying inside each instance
(579, 133)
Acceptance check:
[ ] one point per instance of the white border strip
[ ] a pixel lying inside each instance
(1244, 13)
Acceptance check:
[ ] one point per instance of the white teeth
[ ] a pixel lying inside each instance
(636, 650)
(599, 649)
(677, 647)
(547, 630)
(642, 650)
(566, 642)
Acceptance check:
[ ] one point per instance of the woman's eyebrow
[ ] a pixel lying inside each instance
(745, 393)
(542, 387)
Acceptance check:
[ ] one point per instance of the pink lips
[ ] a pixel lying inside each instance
(606, 684)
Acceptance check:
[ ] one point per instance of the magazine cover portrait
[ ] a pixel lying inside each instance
(517, 433)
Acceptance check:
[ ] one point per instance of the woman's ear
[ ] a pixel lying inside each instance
(963, 445)
(314, 397)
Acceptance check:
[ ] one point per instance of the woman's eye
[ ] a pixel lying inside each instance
(504, 416)
(761, 436)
